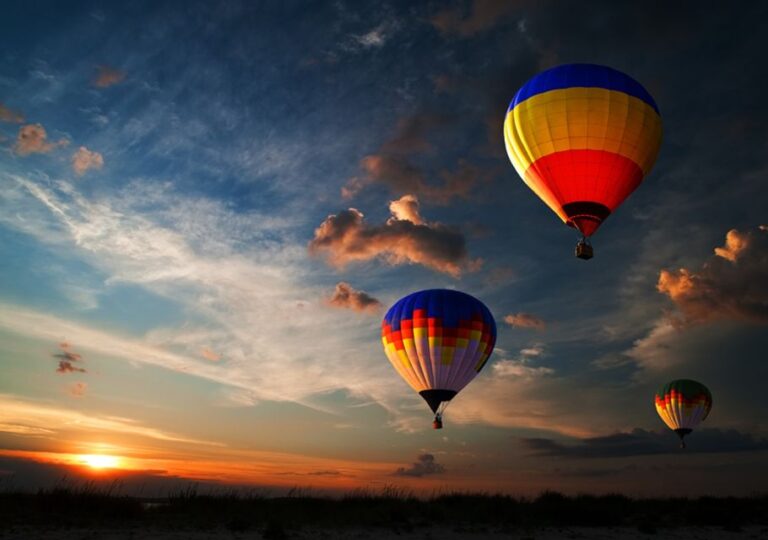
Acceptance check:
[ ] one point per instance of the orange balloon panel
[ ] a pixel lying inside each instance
(582, 137)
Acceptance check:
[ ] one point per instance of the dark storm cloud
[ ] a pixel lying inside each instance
(732, 284)
(346, 296)
(404, 238)
(640, 442)
(425, 465)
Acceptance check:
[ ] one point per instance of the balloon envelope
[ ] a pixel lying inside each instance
(582, 136)
(438, 340)
(682, 404)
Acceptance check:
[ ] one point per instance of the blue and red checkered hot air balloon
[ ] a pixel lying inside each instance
(438, 340)
(582, 137)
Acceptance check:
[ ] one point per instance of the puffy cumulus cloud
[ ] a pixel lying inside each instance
(406, 208)
(33, 139)
(346, 237)
(208, 354)
(8, 115)
(400, 175)
(373, 39)
(391, 166)
(525, 320)
(483, 15)
(78, 389)
(730, 285)
(411, 133)
(425, 465)
(735, 244)
(107, 76)
(67, 360)
(640, 442)
(83, 160)
(346, 296)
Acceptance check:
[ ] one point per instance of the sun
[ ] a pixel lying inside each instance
(100, 461)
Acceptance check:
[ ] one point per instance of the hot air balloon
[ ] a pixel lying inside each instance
(683, 404)
(582, 137)
(438, 340)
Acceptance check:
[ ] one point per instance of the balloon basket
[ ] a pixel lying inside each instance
(584, 250)
(437, 424)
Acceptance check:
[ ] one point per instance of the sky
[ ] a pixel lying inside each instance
(173, 293)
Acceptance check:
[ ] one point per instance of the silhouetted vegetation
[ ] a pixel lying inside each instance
(392, 508)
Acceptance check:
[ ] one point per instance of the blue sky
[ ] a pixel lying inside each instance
(177, 262)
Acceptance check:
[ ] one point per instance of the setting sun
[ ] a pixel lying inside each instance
(100, 461)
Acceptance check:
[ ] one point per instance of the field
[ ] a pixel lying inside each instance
(97, 513)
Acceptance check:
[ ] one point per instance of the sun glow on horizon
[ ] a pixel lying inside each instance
(100, 461)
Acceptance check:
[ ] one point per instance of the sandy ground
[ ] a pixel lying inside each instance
(572, 533)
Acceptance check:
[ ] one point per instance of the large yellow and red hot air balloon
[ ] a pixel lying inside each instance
(438, 340)
(683, 404)
(582, 136)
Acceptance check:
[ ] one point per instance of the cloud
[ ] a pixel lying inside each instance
(640, 442)
(78, 389)
(107, 76)
(425, 465)
(483, 15)
(208, 354)
(67, 360)
(730, 285)
(374, 38)
(345, 296)
(33, 139)
(84, 160)
(525, 320)
(345, 237)
(524, 393)
(406, 208)
(19, 414)
(234, 270)
(391, 165)
(8, 115)
(411, 133)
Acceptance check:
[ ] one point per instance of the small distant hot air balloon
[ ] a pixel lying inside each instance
(438, 340)
(582, 137)
(683, 404)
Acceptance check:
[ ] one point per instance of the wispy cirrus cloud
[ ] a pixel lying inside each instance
(223, 267)
(345, 237)
(19, 415)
